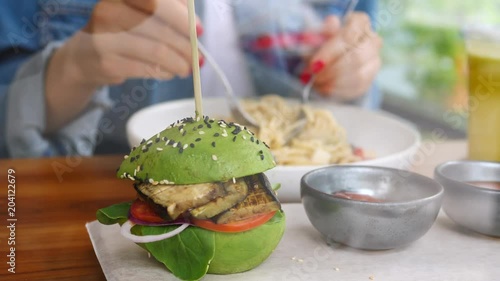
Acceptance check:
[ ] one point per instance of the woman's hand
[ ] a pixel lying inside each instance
(132, 39)
(347, 63)
(123, 39)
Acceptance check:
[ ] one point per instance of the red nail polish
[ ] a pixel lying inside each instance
(305, 77)
(199, 30)
(317, 66)
(202, 61)
(263, 42)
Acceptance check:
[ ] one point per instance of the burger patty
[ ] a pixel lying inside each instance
(223, 202)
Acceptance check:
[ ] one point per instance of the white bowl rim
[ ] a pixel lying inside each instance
(410, 128)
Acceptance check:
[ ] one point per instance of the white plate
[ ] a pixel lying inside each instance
(393, 140)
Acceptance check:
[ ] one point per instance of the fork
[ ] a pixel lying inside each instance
(237, 111)
(301, 122)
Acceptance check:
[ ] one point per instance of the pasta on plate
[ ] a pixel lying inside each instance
(322, 141)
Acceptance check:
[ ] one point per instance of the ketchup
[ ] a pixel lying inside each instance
(356, 196)
(486, 184)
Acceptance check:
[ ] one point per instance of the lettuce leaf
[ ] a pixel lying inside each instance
(186, 255)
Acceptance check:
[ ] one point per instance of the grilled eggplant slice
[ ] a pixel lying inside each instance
(235, 193)
(222, 202)
(177, 199)
(260, 199)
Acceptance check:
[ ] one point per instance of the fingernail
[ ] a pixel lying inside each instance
(199, 29)
(305, 77)
(317, 66)
(201, 61)
(263, 42)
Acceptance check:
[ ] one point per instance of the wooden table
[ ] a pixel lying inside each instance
(54, 200)
(56, 197)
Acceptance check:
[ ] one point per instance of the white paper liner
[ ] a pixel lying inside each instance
(446, 252)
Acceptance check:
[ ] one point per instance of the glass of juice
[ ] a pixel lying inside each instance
(483, 51)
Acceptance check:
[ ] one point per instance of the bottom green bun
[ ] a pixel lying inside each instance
(238, 252)
(194, 252)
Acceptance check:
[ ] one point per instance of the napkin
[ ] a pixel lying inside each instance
(446, 252)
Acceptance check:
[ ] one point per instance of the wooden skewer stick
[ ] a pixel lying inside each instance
(196, 66)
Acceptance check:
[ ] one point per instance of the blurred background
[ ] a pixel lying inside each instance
(423, 75)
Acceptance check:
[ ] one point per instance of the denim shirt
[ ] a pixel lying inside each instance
(30, 32)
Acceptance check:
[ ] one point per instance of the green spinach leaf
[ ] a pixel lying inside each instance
(117, 213)
(187, 255)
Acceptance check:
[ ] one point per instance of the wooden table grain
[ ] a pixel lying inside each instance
(55, 198)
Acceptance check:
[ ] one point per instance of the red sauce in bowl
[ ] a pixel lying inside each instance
(486, 184)
(356, 196)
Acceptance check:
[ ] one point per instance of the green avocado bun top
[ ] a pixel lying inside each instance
(200, 150)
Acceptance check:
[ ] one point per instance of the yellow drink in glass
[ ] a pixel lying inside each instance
(484, 98)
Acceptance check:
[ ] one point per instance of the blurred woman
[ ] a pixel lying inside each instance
(73, 71)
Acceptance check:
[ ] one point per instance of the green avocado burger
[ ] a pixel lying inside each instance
(204, 204)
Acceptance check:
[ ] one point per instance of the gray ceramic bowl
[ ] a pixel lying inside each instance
(409, 204)
(473, 207)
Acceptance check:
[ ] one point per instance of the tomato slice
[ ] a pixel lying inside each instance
(238, 226)
(142, 211)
